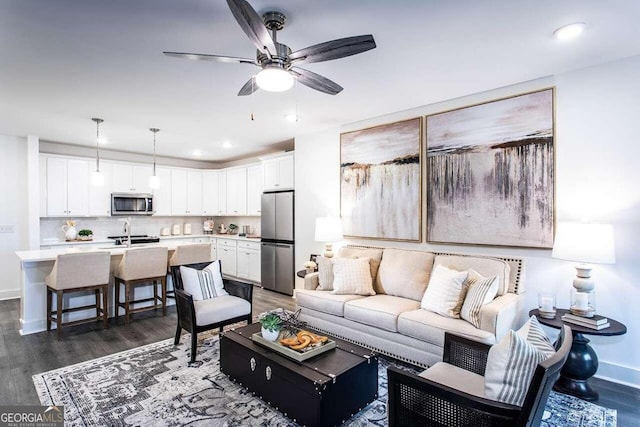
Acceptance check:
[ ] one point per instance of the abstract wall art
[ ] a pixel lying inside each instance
(380, 181)
(490, 173)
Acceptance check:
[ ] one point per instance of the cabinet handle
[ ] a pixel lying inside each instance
(276, 185)
(252, 363)
(268, 373)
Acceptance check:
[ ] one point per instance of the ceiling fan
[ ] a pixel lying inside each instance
(278, 62)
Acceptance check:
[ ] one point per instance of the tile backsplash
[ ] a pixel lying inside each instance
(51, 228)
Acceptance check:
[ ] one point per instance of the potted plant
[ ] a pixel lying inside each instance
(271, 325)
(85, 234)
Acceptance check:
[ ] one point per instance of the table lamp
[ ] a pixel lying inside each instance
(328, 230)
(586, 243)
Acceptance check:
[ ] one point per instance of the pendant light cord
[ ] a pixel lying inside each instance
(154, 130)
(98, 121)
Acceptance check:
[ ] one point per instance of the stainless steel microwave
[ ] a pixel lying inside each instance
(131, 204)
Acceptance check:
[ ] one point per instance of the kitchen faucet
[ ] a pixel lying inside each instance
(127, 229)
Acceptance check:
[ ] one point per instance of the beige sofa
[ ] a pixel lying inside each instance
(392, 322)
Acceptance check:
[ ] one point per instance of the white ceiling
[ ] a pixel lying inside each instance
(65, 61)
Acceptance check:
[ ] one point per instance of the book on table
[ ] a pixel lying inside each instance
(585, 324)
(595, 320)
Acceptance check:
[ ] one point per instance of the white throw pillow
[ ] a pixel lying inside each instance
(325, 273)
(203, 284)
(352, 277)
(443, 292)
(511, 363)
(482, 290)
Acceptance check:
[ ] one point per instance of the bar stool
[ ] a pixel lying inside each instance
(189, 254)
(75, 273)
(141, 266)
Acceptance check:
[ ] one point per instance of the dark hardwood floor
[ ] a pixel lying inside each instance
(23, 356)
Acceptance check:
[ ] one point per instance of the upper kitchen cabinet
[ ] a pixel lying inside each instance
(254, 189)
(237, 191)
(100, 197)
(210, 192)
(186, 192)
(162, 194)
(67, 187)
(131, 178)
(278, 172)
(222, 192)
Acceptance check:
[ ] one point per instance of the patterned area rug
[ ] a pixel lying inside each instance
(154, 385)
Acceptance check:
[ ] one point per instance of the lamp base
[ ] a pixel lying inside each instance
(589, 312)
(328, 250)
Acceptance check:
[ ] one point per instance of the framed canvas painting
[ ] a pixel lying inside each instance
(380, 181)
(490, 173)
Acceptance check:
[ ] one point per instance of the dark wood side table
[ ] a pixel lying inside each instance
(582, 362)
(302, 273)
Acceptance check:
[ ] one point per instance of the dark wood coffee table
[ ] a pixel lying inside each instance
(322, 391)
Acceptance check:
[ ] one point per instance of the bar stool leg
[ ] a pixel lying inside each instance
(59, 313)
(117, 297)
(127, 300)
(155, 294)
(49, 303)
(163, 284)
(97, 292)
(105, 305)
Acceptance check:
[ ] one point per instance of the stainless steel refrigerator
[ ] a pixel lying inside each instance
(277, 256)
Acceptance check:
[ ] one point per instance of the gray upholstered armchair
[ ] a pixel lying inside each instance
(456, 399)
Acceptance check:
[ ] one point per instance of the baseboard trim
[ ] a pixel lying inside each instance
(10, 294)
(619, 374)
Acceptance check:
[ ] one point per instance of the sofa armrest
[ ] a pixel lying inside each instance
(501, 314)
(311, 281)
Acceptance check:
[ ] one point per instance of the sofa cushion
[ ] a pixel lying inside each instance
(324, 301)
(379, 311)
(325, 273)
(444, 292)
(352, 277)
(486, 266)
(218, 309)
(374, 255)
(430, 327)
(404, 273)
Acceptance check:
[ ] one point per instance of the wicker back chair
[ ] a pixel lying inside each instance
(194, 316)
(417, 401)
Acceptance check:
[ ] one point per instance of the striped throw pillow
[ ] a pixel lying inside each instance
(481, 290)
(511, 363)
(325, 273)
(352, 277)
(203, 284)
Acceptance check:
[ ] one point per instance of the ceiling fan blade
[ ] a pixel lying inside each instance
(248, 88)
(252, 25)
(204, 57)
(334, 49)
(316, 81)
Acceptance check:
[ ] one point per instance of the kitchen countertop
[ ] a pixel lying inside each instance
(177, 236)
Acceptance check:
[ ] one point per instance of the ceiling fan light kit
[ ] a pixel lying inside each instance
(277, 61)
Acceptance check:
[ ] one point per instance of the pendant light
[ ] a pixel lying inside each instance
(154, 180)
(97, 178)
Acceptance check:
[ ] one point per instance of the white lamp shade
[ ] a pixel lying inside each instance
(97, 179)
(274, 79)
(328, 229)
(154, 181)
(584, 242)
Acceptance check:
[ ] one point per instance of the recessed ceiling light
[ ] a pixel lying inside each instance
(571, 31)
(226, 144)
(197, 153)
(291, 117)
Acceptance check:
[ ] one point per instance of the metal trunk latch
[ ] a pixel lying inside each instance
(252, 362)
(268, 372)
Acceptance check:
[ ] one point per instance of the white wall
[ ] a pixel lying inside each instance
(597, 177)
(13, 211)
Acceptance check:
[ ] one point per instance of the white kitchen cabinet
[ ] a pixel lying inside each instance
(210, 193)
(162, 194)
(100, 197)
(254, 189)
(227, 254)
(222, 193)
(186, 192)
(278, 173)
(67, 187)
(237, 191)
(128, 178)
(43, 185)
(249, 261)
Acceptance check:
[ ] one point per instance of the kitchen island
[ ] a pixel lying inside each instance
(35, 265)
